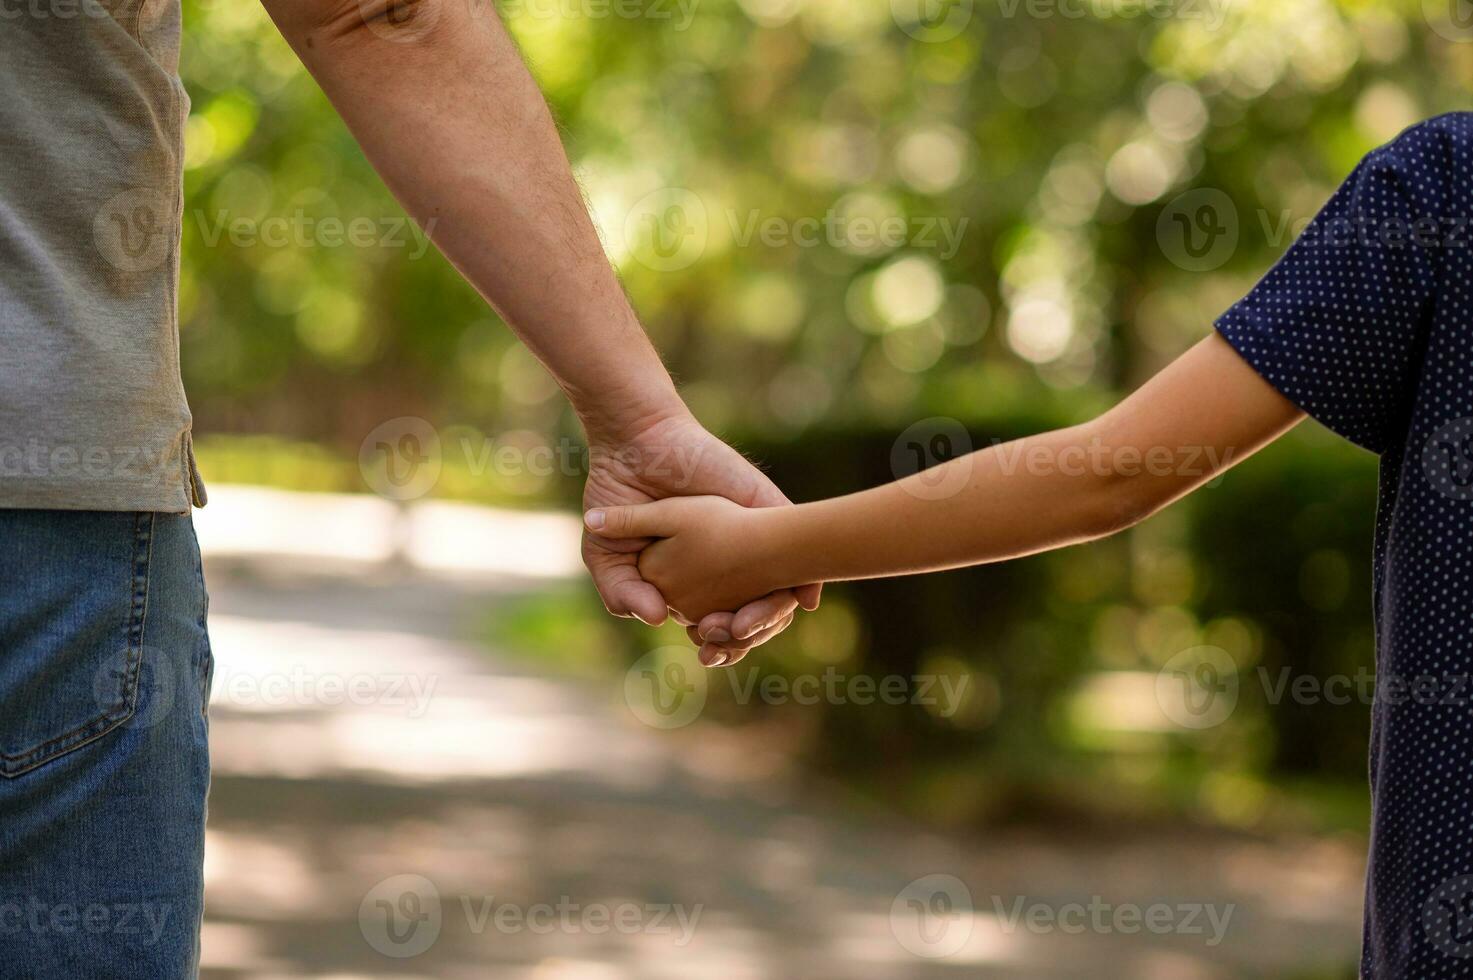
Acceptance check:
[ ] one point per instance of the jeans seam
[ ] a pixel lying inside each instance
(207, 665)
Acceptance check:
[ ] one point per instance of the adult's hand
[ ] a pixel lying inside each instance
(676, 456)
(520, 233)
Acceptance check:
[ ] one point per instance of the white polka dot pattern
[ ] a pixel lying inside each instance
(1366, 324)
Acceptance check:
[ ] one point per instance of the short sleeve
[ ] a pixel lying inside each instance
(1340, 322)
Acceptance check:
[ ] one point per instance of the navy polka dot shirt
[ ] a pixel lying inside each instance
(1366, 324)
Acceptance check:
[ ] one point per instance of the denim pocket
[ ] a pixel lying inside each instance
(73, 600)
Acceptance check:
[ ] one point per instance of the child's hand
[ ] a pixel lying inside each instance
(710, 556)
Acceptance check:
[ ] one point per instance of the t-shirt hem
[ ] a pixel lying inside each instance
(21, 493)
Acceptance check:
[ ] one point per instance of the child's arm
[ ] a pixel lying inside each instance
(1202, 414)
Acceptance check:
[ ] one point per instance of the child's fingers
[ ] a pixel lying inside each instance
(634, 521)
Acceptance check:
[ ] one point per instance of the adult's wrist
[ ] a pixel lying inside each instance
(620, 416)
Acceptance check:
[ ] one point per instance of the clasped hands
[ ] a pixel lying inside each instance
(701, 576)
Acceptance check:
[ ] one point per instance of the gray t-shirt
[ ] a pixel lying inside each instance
(92, 409)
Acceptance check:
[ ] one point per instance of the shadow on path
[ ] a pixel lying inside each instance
(390, 801)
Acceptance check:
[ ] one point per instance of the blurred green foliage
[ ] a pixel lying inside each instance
(742, 159)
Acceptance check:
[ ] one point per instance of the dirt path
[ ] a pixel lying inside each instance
(392, 801)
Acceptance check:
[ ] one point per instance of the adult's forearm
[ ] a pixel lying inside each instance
(442, 104)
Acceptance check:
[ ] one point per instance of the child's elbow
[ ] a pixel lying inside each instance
(1119, 503)
(1122, 492)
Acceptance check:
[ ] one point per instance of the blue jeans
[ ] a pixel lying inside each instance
(104, 765)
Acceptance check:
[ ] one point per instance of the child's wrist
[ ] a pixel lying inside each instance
(777, 553)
